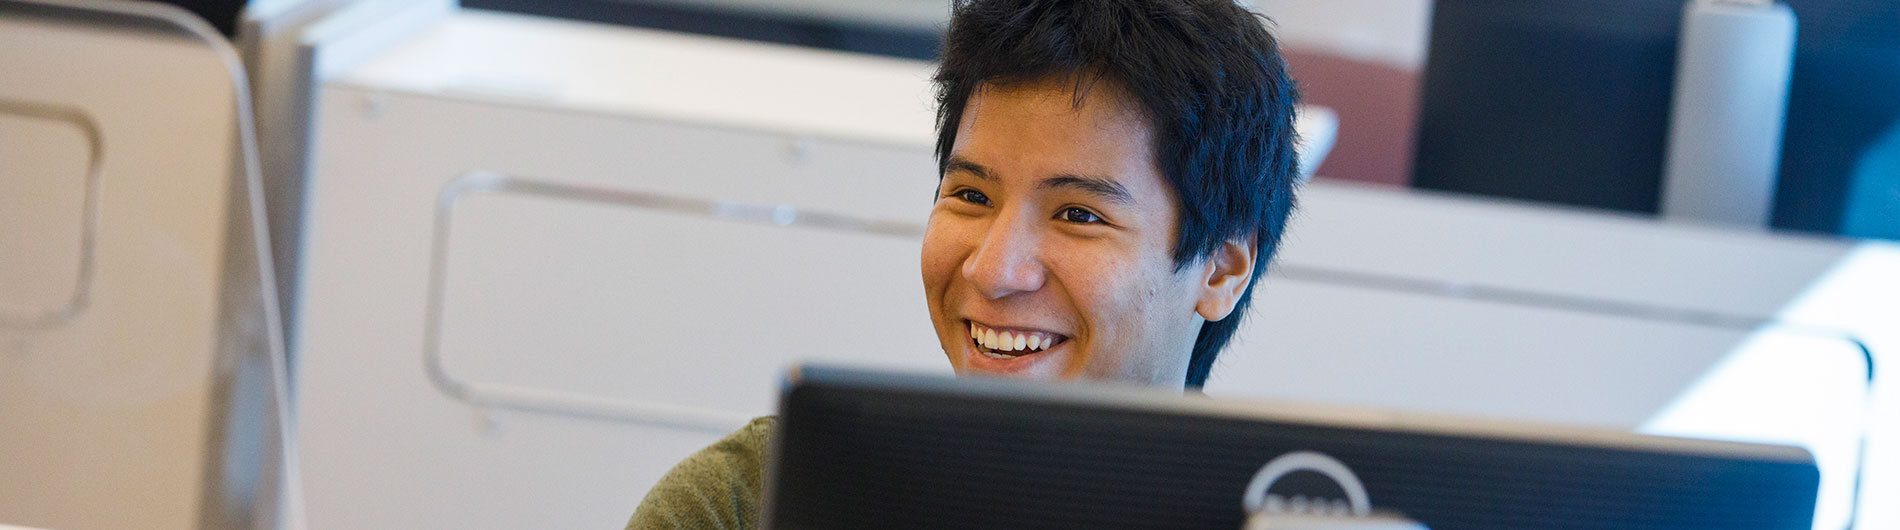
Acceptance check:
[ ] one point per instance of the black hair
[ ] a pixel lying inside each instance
(1206, 74)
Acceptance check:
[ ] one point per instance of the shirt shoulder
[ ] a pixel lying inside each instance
(717, 488)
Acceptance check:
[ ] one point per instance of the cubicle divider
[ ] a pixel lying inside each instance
(502, 342)
(141, 369)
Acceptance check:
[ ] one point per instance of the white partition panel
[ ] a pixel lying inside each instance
(138, 355)
(569, 295)
(101, 400)
(538, 289)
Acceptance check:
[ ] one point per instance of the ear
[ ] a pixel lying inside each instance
(1227, 273)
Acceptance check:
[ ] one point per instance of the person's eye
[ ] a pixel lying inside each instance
(971, 196)
(1078, 215)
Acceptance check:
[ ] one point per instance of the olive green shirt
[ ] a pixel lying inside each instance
(718, 488)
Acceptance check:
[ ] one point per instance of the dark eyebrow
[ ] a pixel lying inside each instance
(1098, 186)
(958, 163)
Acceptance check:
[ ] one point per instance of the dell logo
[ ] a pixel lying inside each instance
(1261, 497)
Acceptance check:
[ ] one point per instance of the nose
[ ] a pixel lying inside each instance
(1007, 260)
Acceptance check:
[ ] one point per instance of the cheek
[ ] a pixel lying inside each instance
(1108, 288)
(942, 256)
(1127, 301)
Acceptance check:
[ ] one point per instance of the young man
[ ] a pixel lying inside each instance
(1114, 177)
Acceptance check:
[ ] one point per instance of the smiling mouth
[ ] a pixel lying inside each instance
(1011, 344)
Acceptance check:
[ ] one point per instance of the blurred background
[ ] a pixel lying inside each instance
(500, 264)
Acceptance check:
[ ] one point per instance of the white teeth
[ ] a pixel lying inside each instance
(1009, 341)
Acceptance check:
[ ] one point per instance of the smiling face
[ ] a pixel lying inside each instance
(1048, 249)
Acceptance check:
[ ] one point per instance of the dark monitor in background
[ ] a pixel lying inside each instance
(1567, 101)
(755, 20)
(858, 449)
